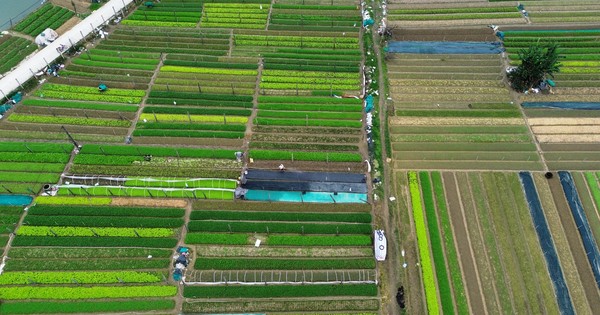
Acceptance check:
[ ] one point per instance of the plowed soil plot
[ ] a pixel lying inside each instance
(567, 142)
(464, 246)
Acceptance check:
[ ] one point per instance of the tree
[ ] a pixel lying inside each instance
(537, 62)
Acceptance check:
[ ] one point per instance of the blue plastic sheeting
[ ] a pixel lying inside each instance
(15, 200)
(297, 196)
(562, 105)
(541, 227)
(369, 103)
(591, 249)
(416, 47)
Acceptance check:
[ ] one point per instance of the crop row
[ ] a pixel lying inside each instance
(187, 134)
(29, 264)
(422, 240)
(203, 263)
(457, 16)
(106, 211)
(436, 244)
(36, 147)
(308, 99)
(57, 277)
(88, 97)
(455, 10)
(311, 86)
(197, 111)
(273, 291)
(298, 39)
(188, 126)
(31, 307)
(305, 156)
(310, 107)
(78, 241)
(79, 105)
(156, 151)
(194, 118)
(81, 121)
(209, 70)
(75, 293)
(147, 192)
(158, 23)
(307, 122)
(16, 49)
(280, 216)
(47, 16)
(61, 231)
(280, 240)
(278, 227)
(34, 157)
(97, 201)
(75, 253)
(179, 182)
(202, 96)
(91, 90)
(7, 176)
(102, 221)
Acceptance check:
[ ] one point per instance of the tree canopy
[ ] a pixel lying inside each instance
(537, 62)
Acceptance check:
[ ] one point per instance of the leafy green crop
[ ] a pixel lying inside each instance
(305, 156)
(61, 231)
(82, 241)
(55, 200)
(69, 293)
(28, 264)
(203, 263)
(273, 291)
(318, 240)
(17, 117)
(216, 238)
(30, 307)
(156, 151)
(279, 227)
(280, 216)
(106, 211)
(422, 240)
(103, 221)
(57, 277)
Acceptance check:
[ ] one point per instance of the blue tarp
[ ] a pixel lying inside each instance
(543, 232)
(587, 238)
(15, 200)
(369, 103)
(562, 105)
(297, 196)
(417, 47)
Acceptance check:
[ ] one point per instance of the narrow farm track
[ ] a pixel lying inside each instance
(143, 102)
(463, 242)
(574, 240)
(254, 113)
(179, 299)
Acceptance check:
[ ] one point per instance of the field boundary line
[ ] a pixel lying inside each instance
(269, 15)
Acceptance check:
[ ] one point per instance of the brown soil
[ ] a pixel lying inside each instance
(68, 25)
(568, 224)
(148, 202)
(569, 138)
(466, 256)
(81, 6)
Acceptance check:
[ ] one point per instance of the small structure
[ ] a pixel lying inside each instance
(181, 262)
(102, 87)
(380, 245)
(46, 37)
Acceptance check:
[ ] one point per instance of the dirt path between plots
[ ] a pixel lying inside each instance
(465, 255)
(583, 267)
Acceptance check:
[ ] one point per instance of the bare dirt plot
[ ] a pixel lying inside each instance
(574, 240)
(146, 202)
(562, 129)
(466, 256)
(557, 121)
(68, 25)
(569, 138)
(81, 6)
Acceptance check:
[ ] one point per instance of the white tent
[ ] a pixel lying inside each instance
(46, 37)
